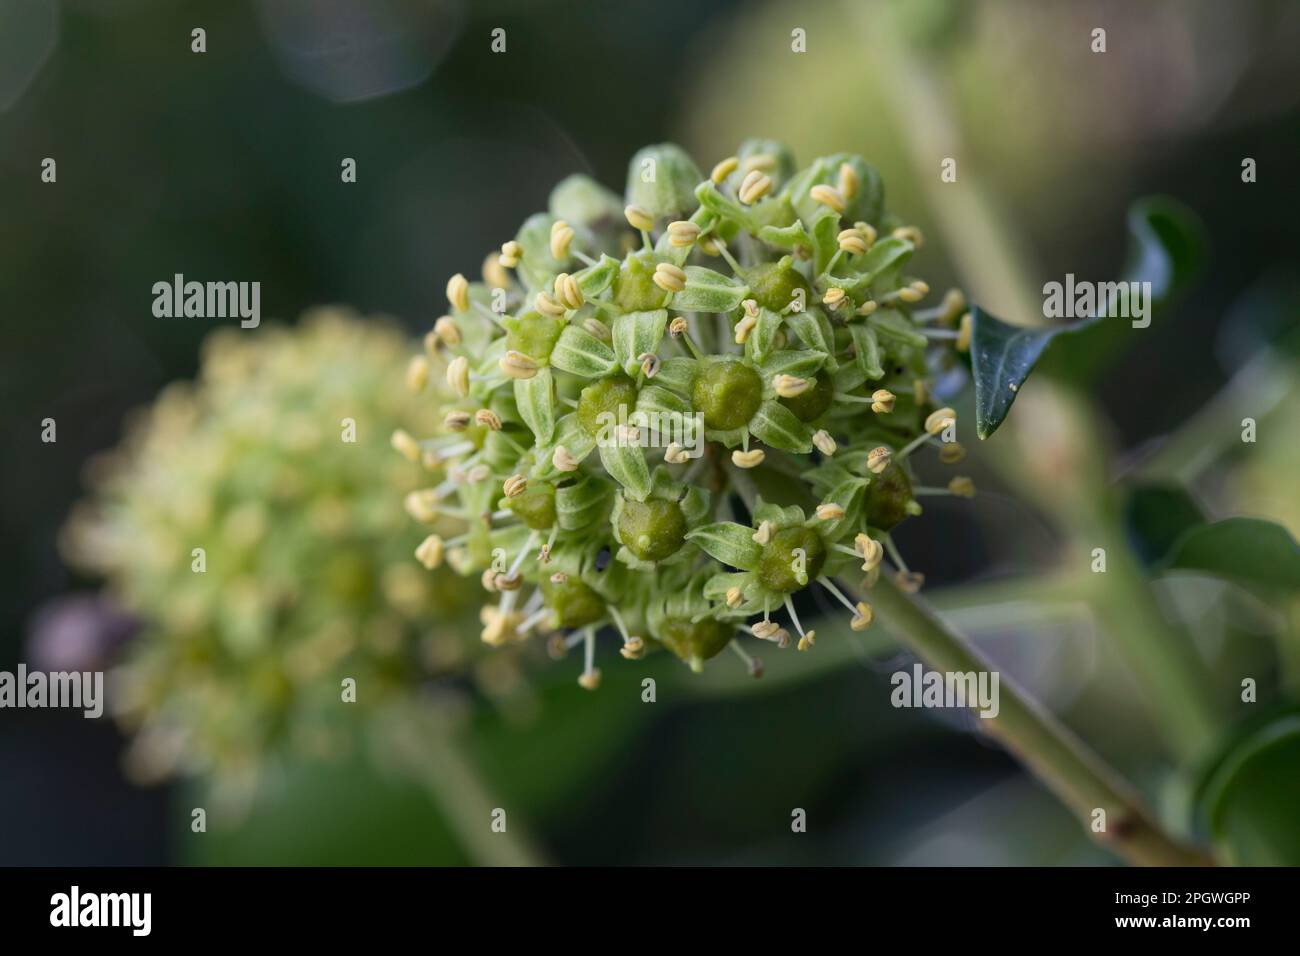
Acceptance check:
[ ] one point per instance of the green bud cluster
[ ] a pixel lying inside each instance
(677, 408)
(243, 521)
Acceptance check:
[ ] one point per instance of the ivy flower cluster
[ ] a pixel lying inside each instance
(676, 409)
(242, 520)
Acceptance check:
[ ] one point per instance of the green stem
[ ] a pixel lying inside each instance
(424, 745)
(1078, 777)
(994, 264)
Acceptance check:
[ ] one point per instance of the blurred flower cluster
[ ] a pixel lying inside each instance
(244, 522)
(675, 409)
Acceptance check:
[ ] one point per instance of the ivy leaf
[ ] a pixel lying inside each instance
(1248, 799)
(732, 544)
(1155, 516)
(1251, 551)
(1002, 356)
(1166, 249)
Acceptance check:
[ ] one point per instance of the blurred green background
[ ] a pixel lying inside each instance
(226, 165)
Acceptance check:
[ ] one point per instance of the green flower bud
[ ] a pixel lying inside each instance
(782, 569)
(727, 392)
(653, 529)
(604, 398)
(888, 498)
(773, 284)
(573, 602)
(661, 180)
(695, 641)
(581, 201)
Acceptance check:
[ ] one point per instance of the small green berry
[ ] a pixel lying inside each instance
(634, 286)
(888, 497)
(695, 641)
(777, 566)
(727, 392)
(573, 602)
(652, 530)
(602, 398)
(773, 284)
(535, 506)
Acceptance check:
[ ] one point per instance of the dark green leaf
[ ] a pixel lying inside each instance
(1250, 551)
(1249, 800)
(1002, 356)
(1155, 516)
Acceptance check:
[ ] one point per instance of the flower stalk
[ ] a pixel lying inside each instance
(1074, 773)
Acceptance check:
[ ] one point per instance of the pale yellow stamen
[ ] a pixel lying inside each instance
(511, 253)
(669, 277)
(878, 459)
(407, 446)
(790, 386)
(494, 272)
(458, 375)
(561, 236)
(447, 330)
(682, 233)
(862, 620)
(939, 420)
(417, 373)
(962, 487)
(639, 218)
(563, 459)
(828, 196)
(518, 365)
(430, 552)
(755, 186)
(458, 292)
(724, 169)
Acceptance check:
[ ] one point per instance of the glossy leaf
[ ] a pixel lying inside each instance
(1002, 356)
(1250, 551)
(1155, 516)
(1249, 800)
